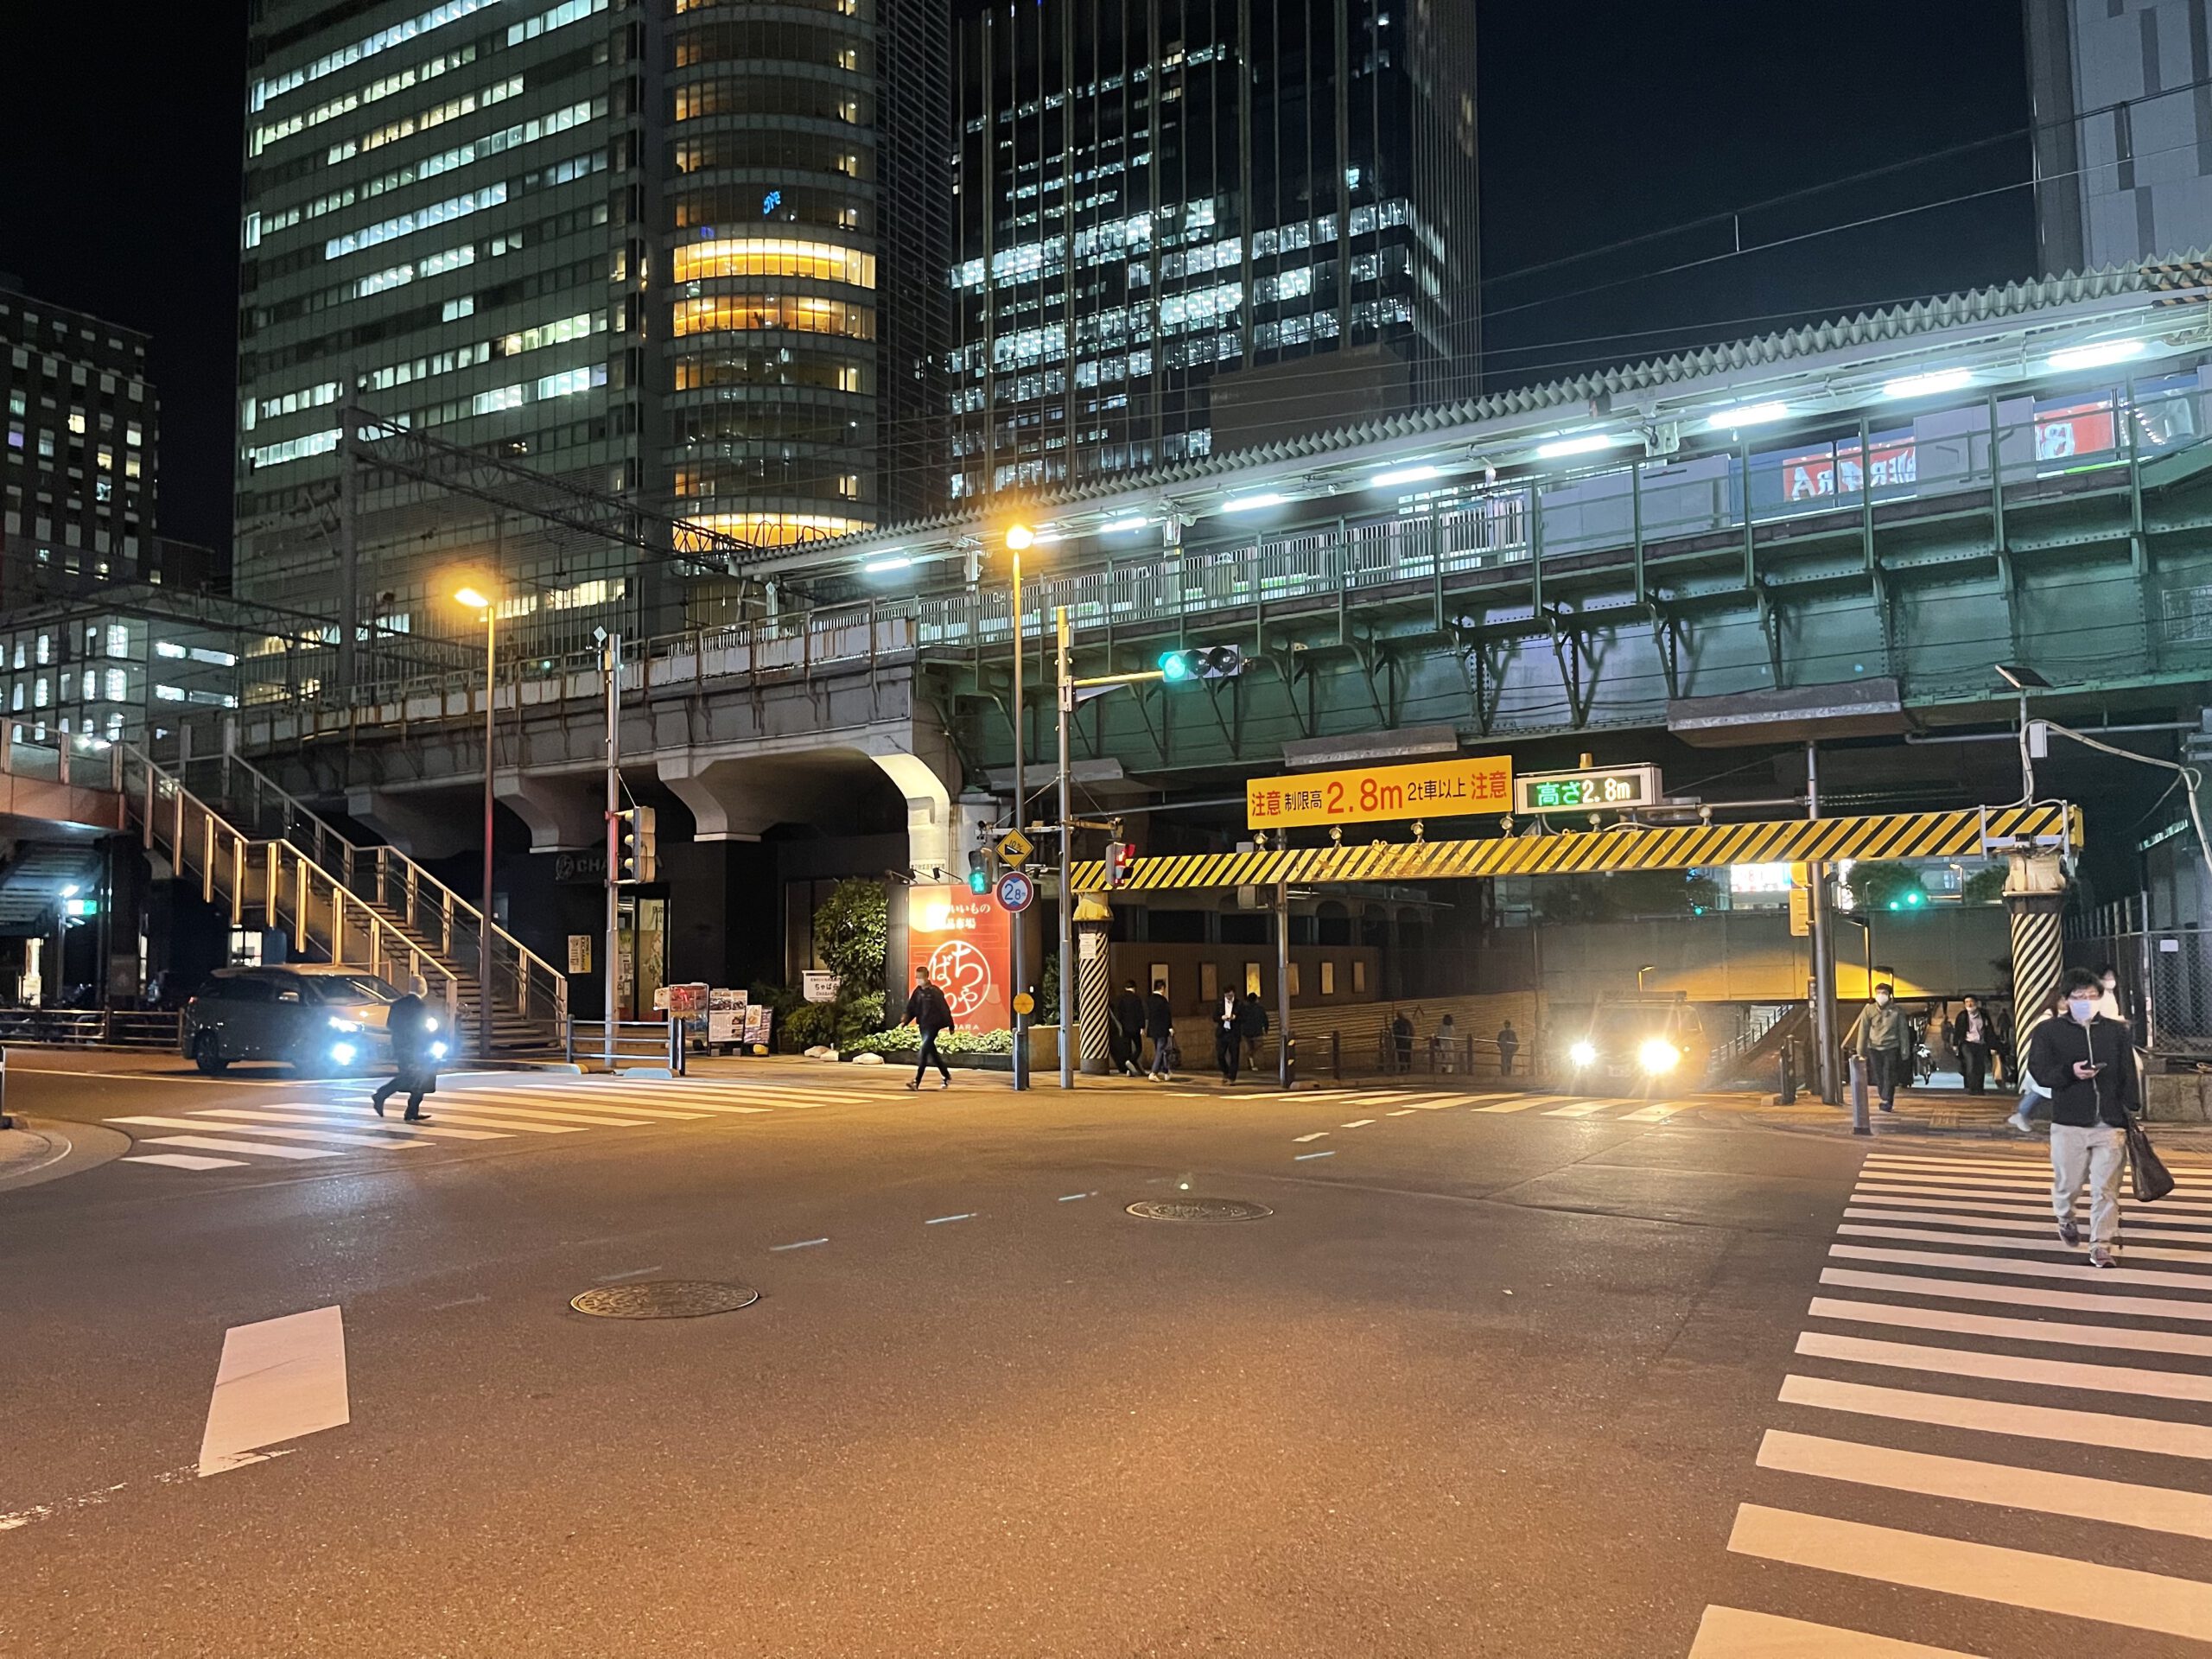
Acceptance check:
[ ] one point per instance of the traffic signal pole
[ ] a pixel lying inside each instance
(1066, 700)
(1020, 808)
(614, 830)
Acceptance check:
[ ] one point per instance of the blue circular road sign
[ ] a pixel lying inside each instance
(1015, 890)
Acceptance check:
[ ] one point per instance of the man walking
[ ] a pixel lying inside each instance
(1251, 1025)
(411, 1027)
(2087, 1063)
(1159, 1026)
(1126, 1025)
(1972, 1036)
(1402, 1040)
(1509, 1044)
(1227, 1041)
(930, 1014)
(1884, 1038)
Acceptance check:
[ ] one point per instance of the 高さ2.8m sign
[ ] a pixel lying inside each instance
(1428, 789)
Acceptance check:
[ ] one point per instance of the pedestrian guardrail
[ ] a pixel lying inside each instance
(644, 1042)
(138, 1028)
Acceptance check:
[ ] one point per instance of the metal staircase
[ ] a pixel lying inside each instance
(372, 906)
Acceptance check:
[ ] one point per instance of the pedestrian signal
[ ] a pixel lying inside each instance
(1119, 856)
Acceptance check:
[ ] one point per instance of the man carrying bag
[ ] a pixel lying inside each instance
(2087, 1063)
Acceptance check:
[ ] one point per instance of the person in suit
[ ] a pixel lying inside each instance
(1509, 1044)
(1402, 1040)
(1228, 1039)
(1974, 1034)
(1125, 1026)
(413, 1030)
(1159, 1026)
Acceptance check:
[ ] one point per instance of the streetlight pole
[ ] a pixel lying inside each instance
(484, 919)
(1066, 700)
(614, 946)
(1017, 537)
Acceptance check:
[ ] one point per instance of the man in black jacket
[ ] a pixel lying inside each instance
(928, 1013)
(1227, 1041)
(2086, 1063)
(1159, 1026)
(412, 1027)
(1974, 1034)
(1125, 1024)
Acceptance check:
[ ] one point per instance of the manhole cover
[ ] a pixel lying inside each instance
(665, 1299)
(1199, 1210)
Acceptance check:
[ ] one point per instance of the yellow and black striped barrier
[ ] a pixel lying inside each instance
(1973, 833)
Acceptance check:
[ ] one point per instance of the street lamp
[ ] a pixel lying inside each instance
(476, 599)
(1020, 537)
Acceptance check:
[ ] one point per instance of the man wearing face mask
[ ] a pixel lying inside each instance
(1885, 1038)
(2087, 1063)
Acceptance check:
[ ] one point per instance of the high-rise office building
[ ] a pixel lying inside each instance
(79, 471)
(1189, 225)
(642, 245)
(2121, 91)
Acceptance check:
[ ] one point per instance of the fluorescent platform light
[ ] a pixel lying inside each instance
(1254, 503)
(1584, 443)
(1728, 420)
(883, 562)
(1923, 385)
(1404, 475)
(1123, 526)
(2097, 356)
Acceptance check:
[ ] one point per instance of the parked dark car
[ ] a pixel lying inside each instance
(320, 1021)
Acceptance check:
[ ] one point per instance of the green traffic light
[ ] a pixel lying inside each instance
(1174, 666)
(979, 881)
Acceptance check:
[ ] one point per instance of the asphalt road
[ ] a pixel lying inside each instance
(1486, 1381)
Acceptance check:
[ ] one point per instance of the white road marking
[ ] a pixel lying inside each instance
(1963, 1290)
(1403, 1111)
(2016, 1578)
(1069, 1197)
(2138, 1216)
(2044, 1229)
(1731, 1633)
(1523, 1103)
(634, 1273)
(279, 1379)
(2155, 1509)
(556, 1101)
(2061, 1332)
(467, 1110)
(1581, 1108)
(265, 1149)
(2050, 1244)
(310, 1114)
(1356, 1123)
(185, 1160)
(2006, 1368)
(1964, 1187)
(2005, 1265)
(1300, 1139)
(341, 1137)
(1305, 1156)
(939, 1221)
(1658, 1112)
(801, 1244)
(2110, 1429)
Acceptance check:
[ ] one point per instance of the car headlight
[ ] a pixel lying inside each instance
(1657, 1055)
(1584, 1053)
(429, 1022)
(342, 1052)
(437, 1051)
(337, 1024)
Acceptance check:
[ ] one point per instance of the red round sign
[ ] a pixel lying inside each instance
(964, 973)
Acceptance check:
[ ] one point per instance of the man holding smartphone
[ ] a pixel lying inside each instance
(2086, 1063)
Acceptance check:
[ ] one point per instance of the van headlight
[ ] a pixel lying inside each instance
(437, 1051)
(338, 1023)
(1584, 1052)
(342, 1053)
(1658, 1055)
(429, 1022)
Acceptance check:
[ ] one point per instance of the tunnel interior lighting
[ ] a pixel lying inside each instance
(1123, 526)
(2099, 355)
(886, 561)
(1255, 503)
(1399, 475)
(1742, 415)
(1925, 385)
(1582, 443)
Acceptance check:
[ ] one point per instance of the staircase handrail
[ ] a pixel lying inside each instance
(398, 945)
(529, 964)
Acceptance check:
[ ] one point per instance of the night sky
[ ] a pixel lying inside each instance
(1599, 123)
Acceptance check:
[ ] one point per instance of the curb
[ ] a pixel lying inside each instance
(86, 1147)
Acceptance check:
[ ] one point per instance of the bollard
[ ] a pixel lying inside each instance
(6, 1122)
(1859, 1123)
(676, 1044)
(1335, 1057)
(1787, 1092)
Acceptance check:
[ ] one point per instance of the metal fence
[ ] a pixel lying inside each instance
(2164, 983)
(92, 1028)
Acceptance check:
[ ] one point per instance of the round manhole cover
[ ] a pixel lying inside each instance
(1199, 1210)
(665, 1299)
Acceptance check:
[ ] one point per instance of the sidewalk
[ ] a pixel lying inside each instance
(1949, 1114)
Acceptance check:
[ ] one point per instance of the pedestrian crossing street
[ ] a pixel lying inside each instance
(335, 1120)
(1401, 1102)
(1978, 1418)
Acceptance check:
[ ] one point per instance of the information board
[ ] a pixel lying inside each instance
(1592, 789)
(1428, 789)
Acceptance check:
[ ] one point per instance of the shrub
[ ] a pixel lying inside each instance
(903, 1042)
(806, 1026)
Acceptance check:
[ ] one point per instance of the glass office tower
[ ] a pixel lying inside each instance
(1187, 227)
(633, 243)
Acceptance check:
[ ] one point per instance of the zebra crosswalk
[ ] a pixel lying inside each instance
(1938, 1395)
(337, 1123)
